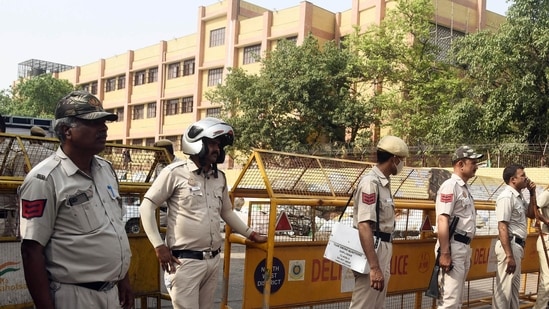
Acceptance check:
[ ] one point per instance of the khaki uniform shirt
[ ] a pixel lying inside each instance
(454, 199)
(196, 203)
(543, 204)
(370, 186)
(511, 208)
(77, 218)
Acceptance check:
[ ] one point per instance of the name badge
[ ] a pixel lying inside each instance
(195, 190)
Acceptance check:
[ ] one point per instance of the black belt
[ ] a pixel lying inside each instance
(519, 241)
(386, 237)
(197, 255)
(98, 285)
(462, 238)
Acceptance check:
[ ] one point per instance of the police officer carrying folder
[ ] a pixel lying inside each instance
(374, 215)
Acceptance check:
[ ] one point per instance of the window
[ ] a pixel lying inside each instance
(171, 107)
(215, 77)
(138, 112)
(86, 87)
(149, 142)
(173, 70)
(120, 113)
(187, 106)
(188, 67)
(137, 142)
(251, 54)
(139, 78)
(110, 84)
(121, 82)
(217, 37)
(292, 39)
(93, 88)
(153, 75)
(151, 110)
(213, 112)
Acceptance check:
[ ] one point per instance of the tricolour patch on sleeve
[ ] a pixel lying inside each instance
(369, 198)
(446, 198)
(32, 209)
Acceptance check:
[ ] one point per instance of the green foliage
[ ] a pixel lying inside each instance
(508, 70)
(302, 99)
(5, 102)
(35, 97)
(400, 62)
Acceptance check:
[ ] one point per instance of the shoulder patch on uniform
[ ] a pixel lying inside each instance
(446, 198)
(32, 209)
(369, 198)
(40, 176)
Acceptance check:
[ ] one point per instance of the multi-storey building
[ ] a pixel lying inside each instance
(157, 91)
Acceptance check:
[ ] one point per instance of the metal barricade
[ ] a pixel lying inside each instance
(295, 200)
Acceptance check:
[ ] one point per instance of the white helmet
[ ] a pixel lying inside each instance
(212, 128)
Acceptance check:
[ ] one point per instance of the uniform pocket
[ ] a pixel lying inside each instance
(85, 214)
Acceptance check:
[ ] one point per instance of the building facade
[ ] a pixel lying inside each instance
(157, 91)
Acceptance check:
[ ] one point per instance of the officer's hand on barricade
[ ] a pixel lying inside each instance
(166, 259)
(255, 237)
(377, 282)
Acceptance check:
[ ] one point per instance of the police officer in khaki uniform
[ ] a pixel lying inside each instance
(370, 289)
(197, 197)
(454, 199)
(511, 212)
(542, 300)
(74, 247)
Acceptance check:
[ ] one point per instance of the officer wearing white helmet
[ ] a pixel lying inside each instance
(374, 215)
(197, 198)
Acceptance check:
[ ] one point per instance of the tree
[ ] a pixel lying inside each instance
(5, 102)
(508, 76)
(400, 66)
(37, 96)
(301, 100)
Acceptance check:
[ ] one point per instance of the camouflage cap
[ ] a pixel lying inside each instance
(83, 105)
(37, 131)
(465, 152)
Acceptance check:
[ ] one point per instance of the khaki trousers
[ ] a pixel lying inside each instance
(364, 296)
(69, 296)
(451, 283)
(506, 287)
(193, 284)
